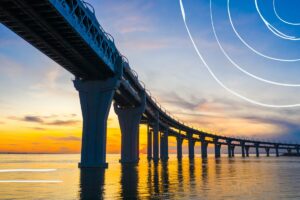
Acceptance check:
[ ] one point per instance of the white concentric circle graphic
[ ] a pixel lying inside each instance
(239, 67)
(219, 81)
(272, 28)
(280, 18)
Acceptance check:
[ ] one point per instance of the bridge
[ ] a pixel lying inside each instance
(68, 32)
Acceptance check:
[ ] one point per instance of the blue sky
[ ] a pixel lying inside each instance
(153, 37)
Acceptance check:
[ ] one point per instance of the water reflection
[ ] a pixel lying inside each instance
(92, 183)
(165, 178)
(218, 179)
(129, 182)
(187, 178)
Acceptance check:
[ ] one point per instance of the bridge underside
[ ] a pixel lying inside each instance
(40, 24)
(102, 75)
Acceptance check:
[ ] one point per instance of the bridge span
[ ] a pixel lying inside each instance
(68, 32)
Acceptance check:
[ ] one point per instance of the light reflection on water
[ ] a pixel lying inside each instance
(235, 178)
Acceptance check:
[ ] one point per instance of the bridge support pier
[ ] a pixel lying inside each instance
(149, 143)
(204, 145)
(232, 150)
(191, 149)
(217, 148)
(191, 144)
(247, 150)
(95, 100)
(277, 150)
(229, 148)
(243, 149)
(179, 147)
(156, 140)
(267, 151)
(129, 120)
(257, 149)
(164, 146)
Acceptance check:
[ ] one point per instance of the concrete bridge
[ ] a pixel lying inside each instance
(68, 32)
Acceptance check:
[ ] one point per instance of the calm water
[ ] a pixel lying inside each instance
(236, 178)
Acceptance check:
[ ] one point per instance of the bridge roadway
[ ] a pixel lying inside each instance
(68, 32)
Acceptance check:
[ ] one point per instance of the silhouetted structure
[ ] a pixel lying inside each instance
(68, 32)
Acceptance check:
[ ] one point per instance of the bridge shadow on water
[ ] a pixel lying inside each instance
(175, 179)
(157, 182)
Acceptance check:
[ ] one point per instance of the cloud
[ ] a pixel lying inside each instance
(39, 128)
(181, 102)
(63, 122)
(232, 117)
(68, 138)
(33, 119)
(44, 120)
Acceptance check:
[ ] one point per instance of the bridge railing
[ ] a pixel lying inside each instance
(81, 16)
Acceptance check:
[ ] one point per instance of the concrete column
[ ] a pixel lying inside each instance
(247, 150)
(232, 150)
(268, 151)
(129, 120)
(217, 148)
(156, 141)
(298, 150)
(191, 148)
(277, 150)
(204, 145)
(243, 149)
(95, 100)
(229, 148)
(149, 142)
(289, 150)
(191, 144)
(164, 146)
(257, 149)
(179, 147)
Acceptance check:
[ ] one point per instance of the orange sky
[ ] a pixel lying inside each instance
(62, 134)
(40, 110)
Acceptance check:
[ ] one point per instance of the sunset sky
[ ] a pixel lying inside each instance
(39, 107)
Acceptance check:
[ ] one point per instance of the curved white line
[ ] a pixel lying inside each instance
(272, 28)
(31, 181)
(220, 82)
(237, 66)
(245, 43)
(26, 170)
(280, 18)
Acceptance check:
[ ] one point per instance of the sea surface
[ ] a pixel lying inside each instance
(261, 178)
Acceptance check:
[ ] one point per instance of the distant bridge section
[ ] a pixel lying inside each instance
(68, 32)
